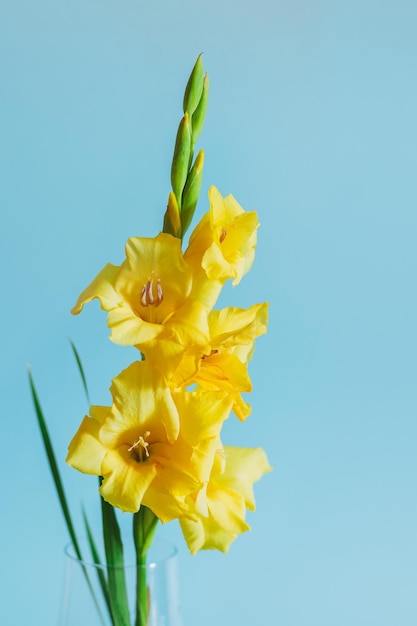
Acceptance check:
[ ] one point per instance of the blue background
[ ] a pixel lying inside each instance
(311, 122)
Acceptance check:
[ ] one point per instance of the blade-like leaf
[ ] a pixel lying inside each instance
(53, 466)
(113, 546)
(96, 559)
(81, 370)
(58, 482)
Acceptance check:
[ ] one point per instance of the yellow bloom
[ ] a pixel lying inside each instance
(148, 296)
(224, 363)
(222, 246)
(228, 494)
(152, 446)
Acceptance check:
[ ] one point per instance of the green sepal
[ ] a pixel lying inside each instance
(199, 115)
(194, 87)
(192, 192)
(172, 221)
(181, 159)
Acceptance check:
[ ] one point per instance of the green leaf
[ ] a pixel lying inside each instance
(53, 466)
(58, 482)
(100, 570)
(115, 566)
(81, 370)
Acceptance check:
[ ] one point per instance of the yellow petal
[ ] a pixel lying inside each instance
(125, 482)
(141, 402)
(225, 521)
(86, 452)
(148, 289)
(244, 466)
(228, 493)
(156, 263)
(240, 408)
(102, 287)
(163, 505)
(232, 325)
(232, 251)
(223, 371)
(202, 413)
(184, 336)
(223, 245)
(127, 329)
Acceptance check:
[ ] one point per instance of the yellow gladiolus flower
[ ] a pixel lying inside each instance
(148, 295)
(221, 246)
(228, 494)
(224, 363)
(152, 446)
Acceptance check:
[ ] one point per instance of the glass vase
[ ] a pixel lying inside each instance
(84, 603)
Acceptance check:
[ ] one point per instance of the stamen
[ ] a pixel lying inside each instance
(159, 292)
(151, 293)
(143, 300)
(222, 235)
(142, 445)
(206, 356)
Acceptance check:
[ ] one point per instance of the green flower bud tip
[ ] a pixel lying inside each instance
(200, 112)
(181, 159)
(192, 192)
(194, 87)
(172, 222)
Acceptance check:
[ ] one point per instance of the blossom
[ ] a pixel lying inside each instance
(228, 494)
(222, 246)
(223, 363)
(148, 295)
(152, 446)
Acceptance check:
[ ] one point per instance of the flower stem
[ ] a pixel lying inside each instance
(144, 526)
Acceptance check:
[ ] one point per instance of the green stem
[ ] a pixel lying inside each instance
(144, 526)
(142, 600)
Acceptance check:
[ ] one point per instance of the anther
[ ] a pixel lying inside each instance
(141, 443)
(206, 356)
(151, 293)
(143, 299)
(159, 292)
(222, 235)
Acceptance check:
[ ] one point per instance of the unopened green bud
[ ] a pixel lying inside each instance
(192, 192)
(172, 222)
(181, 159)
(200, 112)
(194, 87)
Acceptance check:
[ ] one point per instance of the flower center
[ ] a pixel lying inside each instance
(139, 449)
(152, 294)
(206, 356)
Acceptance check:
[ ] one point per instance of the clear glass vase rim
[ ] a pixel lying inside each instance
(170, 553)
